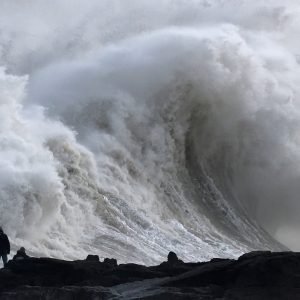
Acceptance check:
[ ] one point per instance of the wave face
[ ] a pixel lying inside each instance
(130, 129)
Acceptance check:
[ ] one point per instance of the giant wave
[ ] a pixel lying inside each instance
(130, 129)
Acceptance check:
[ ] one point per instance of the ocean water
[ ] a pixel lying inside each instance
(131, 128)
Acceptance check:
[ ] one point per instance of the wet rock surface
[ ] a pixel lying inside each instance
(255, 275)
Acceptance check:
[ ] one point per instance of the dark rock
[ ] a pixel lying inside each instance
(110, 262)
(173, 266)
(256, 275)
(91, 257)
(254, 253)
(172, 258)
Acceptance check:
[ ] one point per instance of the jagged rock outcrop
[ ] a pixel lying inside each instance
(256, 275)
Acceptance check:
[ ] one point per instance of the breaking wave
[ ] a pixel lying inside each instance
(130, 129)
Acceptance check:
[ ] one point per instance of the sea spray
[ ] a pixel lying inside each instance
(142, 128)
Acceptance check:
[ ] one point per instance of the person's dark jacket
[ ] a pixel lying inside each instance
(4, 244)
(20, 255)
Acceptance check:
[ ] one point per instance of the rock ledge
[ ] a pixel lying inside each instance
(255, 275)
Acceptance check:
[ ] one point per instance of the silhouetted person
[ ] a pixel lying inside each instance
(21, 254)
(173, 259)
(4, 246)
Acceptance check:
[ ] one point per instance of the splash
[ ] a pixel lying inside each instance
(132, 129)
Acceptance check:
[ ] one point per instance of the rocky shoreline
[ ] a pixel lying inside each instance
(255, 275)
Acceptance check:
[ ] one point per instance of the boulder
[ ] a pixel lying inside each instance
(91, 257)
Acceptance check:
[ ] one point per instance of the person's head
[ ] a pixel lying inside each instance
(1, 230)
(22, 249)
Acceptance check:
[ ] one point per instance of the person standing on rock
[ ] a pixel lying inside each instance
(4, 246)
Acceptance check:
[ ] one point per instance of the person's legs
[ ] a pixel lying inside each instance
(4, 258)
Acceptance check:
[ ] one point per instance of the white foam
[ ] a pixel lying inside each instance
(121, 112)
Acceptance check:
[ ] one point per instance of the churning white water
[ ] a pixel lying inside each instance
(130, 128)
